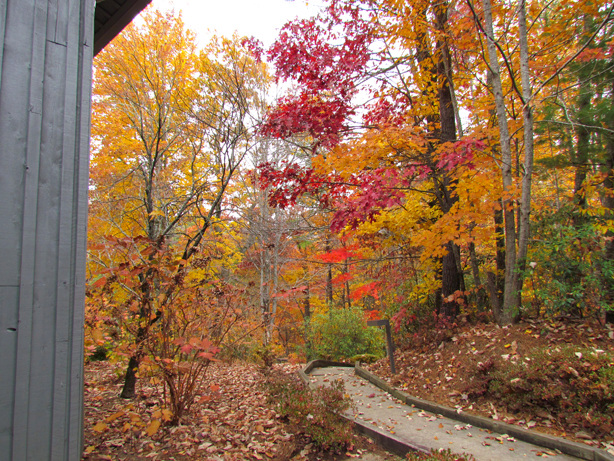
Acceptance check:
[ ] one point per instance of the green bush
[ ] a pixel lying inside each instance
(100, 354)
(566, 271)
(263, 355)
(575, 385)
(343, 333)
(315, 412)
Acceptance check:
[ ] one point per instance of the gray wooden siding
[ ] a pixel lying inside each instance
(45, 80)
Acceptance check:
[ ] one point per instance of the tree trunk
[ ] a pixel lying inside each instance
(580, 160)
(450, 284)
(329, 278)
(608, 202)
(580, 157)
(146, 320)
(527, 179)
(129, 389)
(496, 281)
(452, 281)
(307, 320)
(265, 289)
(347, 285)
(481, 300)
(509, 306)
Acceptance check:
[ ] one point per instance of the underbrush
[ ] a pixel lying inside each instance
(423, 330)
(574, 385)
(341, 334)
(314, 412)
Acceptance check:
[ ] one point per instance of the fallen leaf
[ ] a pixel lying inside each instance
(114, 416)
(153, 427)
(100, 427)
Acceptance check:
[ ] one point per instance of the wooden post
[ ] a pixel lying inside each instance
(389, 344)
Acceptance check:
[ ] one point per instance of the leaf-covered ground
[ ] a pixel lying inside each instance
(231, 421)
(447, 368)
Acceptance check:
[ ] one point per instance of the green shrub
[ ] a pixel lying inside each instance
(343, 333)
(315, 412)
(566, 271)
(264, 355)
(100, 354)
(576, 385)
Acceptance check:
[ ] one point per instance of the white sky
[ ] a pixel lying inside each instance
(259, 18)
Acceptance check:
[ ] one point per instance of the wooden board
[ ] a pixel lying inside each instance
(45, 76)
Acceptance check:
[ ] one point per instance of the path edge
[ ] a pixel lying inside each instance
(547, 441)
(387, 441)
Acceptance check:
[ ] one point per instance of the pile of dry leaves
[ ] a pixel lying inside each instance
(231, 420)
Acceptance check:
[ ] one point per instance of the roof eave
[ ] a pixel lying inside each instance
(113, 25)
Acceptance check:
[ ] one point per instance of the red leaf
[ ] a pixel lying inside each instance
(341, 279)
(100, 282)
(338, 255)
(369, 289)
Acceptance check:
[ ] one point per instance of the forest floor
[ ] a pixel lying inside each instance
(449, 367)
(233, 419)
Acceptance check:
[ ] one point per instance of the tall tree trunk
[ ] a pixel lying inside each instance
(496, 280)
(580, 157)
(265, 289)
(347, 285)
(276, 261)
(609, 204)
(307, 319)
(450, 283)
(329, 277)
(527, 179)
(451, 275)
(440, 76)
(145, 320)
(509, 307)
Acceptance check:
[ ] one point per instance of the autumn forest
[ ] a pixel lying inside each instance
(430, 163)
